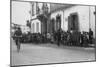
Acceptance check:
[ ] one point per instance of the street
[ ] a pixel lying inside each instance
(49, 53)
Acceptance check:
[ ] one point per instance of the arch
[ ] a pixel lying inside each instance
(36, 26)
(33, 28)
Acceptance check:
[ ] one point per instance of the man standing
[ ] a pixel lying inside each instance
(58, 37)
(71, 37)
(90, 36)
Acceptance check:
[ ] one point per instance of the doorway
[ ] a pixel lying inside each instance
(73, 22)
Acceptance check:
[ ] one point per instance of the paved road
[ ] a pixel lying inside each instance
(48, 53)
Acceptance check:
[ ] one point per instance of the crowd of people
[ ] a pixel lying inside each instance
(73, 37)
(70, 38)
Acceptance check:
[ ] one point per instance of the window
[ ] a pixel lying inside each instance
(37, 27)
(33, 28)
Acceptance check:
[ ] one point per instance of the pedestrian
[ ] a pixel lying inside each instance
(58, 37)
(68, 38)
(81, 39)
(17, 35)
(71, 37)
(90, 36)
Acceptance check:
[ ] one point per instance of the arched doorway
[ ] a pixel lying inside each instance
(33, 28)
(43, 19)
(36, 26)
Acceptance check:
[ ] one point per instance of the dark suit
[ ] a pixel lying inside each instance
(58, 37)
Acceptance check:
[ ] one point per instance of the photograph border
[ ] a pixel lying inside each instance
(48, 63)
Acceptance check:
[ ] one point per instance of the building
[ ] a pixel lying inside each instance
(77, 17)
(39, 18)
(25, 29)
(48, 18)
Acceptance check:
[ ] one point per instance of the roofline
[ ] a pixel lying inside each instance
(61, 9)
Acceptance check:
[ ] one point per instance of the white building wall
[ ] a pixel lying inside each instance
(86, 19)
(83, 16)
(34, 26)
(25, 29)
(53, 15)
(92, 19)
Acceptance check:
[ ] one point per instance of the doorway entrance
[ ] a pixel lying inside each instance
(73, 22)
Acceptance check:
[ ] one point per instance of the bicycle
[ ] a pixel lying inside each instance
(18, 42)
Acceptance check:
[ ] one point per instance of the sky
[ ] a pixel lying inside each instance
(20, 12)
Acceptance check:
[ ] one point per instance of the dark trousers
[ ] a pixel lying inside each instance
(58, 42)
(17, 41)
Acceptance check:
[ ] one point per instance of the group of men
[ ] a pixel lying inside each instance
(57, 37)
(74, 38)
